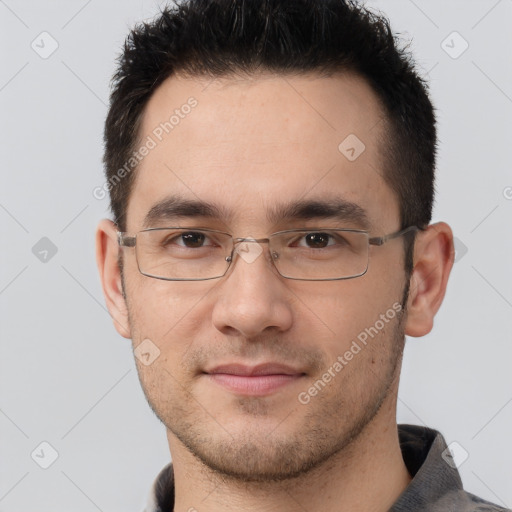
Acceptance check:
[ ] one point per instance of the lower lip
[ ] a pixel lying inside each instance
(255, 385)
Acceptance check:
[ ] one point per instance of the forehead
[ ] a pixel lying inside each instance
(249, 144)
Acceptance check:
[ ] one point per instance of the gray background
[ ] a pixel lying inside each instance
(68, 379)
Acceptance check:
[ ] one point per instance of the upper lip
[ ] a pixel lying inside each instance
(260, 369)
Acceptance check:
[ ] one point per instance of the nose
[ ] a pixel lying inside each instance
(252, 297)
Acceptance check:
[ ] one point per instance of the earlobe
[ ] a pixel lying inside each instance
(107, 250)
(433, 261)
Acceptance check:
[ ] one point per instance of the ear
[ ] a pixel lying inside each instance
(107, 250)
(434, 254)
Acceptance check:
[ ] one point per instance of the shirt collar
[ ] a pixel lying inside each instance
(435, 477)
(435, 484)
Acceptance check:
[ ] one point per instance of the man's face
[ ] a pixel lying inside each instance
(249, 146)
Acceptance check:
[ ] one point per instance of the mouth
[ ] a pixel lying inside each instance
(260, 380)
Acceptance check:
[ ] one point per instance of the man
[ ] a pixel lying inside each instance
(271, 170)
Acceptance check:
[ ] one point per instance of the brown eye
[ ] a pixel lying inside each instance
(193, 239)
(317, 240)
(186, 240)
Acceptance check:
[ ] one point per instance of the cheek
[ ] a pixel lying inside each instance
(349, 304)
(347, 310)
(168, 313)
(163, 385)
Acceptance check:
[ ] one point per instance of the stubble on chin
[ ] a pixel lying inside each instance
(257, 454)
(296, 446)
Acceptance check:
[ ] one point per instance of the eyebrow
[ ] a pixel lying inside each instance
(175, 207)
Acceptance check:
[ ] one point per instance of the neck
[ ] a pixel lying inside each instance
(368, 475)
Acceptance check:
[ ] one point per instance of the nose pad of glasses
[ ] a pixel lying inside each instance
(273, 254)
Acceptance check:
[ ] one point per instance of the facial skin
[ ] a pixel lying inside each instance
(249, 145)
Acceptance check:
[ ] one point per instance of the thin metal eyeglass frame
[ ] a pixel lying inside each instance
(130, 240)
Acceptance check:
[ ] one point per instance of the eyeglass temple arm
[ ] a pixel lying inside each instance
(124, 240)
(380, 240)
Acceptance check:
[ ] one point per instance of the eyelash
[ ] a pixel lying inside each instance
(331, 236)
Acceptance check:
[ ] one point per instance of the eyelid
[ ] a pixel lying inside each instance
(180, 234)
(211, 232)
(332, 238)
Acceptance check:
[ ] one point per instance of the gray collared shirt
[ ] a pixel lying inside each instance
(435, 487)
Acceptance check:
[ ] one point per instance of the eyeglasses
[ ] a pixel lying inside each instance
(190, 254)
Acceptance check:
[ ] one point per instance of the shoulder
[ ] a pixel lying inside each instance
(436, 485)
(459, 500)
(480, 505)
